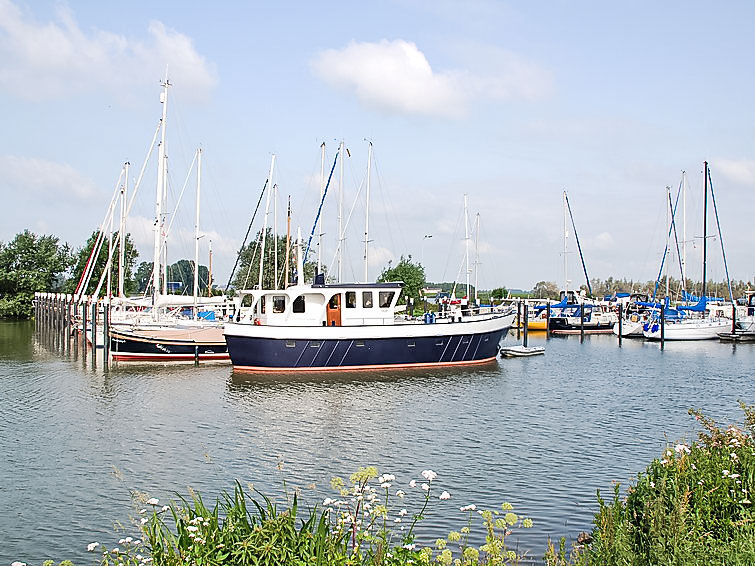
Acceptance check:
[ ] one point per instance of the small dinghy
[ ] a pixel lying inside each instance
(521, 351)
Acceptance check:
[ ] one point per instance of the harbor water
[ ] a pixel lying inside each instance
(78, 441)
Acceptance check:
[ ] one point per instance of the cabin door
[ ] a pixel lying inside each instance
(334, 311)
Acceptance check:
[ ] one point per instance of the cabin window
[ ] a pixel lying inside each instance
(298, 305)
(315, 344)
(360, 343)
(247, 301)
(290, 343)
(262, 305)
(386, 298)
(334, 300)
(367, 299)
(439, 343)
(410, 343)
(351, 299)
(279, 303)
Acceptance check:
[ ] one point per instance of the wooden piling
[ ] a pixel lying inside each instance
(663, 323)
(581, 323)
(621, 322)
(526, 316)
(518, 318)
(548, 319)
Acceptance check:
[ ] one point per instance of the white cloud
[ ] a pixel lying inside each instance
(44, 60)
(603, 241)
(395, 76)
(737, 170)
(45, 179)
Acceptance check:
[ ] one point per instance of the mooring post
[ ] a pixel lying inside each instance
(518, 318)
(734, 318)
(663, 323)
(106, 334)
(548, 319)
(526, 316)
(581, 323)
(94, 324)
(196, 355)
(621, 322)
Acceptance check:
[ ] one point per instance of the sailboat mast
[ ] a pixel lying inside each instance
(705, 227)
(668, 233)
(566, 235)
(109, 292)
(367, 215)
(466, 241)
(684, 230)
(156, 263)
(319, 219)
(288, 242)
(122, 232)
(209, 271)
(476, 254)
(196, 234)
(275, 235)
(264, 227)
(340, 218)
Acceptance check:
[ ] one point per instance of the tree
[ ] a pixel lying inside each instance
(183, 272)
(545, 290)
(82, 258)
(499, 293)
(29, 264)
(143, 277)
(247, 272)
(412, 274)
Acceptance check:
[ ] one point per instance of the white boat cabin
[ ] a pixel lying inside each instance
(320, 305)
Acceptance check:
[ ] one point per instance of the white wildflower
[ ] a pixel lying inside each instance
(444, 495)
(403, 512)
(413, 483)
(429, 475)
(153, 501)
(400, 494)
(92, 545)
(425, 487)
(471, 507)
(681, 449)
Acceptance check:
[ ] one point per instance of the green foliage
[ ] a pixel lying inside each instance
(28, 264)
(81, 257)
(691, 506)
(499, 293)
(412, 274)
(545, 290)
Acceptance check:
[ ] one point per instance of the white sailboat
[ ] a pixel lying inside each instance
(697, 321)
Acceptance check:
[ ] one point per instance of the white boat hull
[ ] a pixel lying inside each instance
(705, 329)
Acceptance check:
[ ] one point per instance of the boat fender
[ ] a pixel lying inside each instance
(257, 322)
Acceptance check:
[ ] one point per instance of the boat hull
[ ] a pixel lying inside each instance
(568, 325)
(260, 348)
(171, 346)
(688, 330)
(629, 329)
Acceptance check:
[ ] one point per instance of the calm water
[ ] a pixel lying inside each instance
(542, 433)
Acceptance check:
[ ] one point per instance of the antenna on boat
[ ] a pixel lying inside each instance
(122, 250)
(159, 203)
(264, 228)
(340, 217)
(476, 254)
(196, 233)
(367, 215)
(319, 220)
(466, 241)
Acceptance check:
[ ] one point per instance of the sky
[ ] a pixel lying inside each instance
(509, 103)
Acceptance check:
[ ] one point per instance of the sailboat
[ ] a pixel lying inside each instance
(161, 332)
(692, 322)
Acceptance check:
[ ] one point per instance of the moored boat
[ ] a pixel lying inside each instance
(315, 327)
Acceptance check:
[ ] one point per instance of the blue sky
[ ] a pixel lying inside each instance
(509, 102)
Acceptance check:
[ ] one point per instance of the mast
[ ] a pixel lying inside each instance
(299, 259)
(566, 235)
(264, 228)
(319, 220)
(476, 254)
(209, 274)
(288, 241)
(275, 235)
(684, 230)
(340, 218)
(466, 241)
(159, 201)
(367, 216)
(705, 227)
(109, 292)
(196, 234)
(668, 233)
(122, 245)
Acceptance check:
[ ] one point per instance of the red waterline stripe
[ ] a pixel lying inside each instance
(366, 367)
(166, 357)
